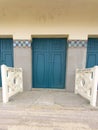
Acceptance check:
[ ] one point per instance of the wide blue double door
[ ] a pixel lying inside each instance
(6, 53)
(49, 62)
(92, 52)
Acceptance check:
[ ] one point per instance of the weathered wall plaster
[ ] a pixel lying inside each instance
(22, 19)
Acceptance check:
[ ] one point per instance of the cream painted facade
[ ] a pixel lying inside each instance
(21, 19)
(74, 19)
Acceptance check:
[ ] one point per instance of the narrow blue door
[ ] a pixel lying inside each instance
(49, 62)
(92, 52)
(6, 53)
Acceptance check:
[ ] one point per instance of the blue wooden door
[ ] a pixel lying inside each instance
(92, 52)
(49, 62)
(6, 53)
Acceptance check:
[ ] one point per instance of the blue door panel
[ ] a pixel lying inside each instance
(49, 62)
(92, 52)
(6, 53)
(91, 60)
(7, 59)
(57, 71)
(40, 70)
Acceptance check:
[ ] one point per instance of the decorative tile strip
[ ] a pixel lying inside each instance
(77, 43)
(71, 43)
(22, 43)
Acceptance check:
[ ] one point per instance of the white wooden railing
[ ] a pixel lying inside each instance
(86, 82)
(12, 82)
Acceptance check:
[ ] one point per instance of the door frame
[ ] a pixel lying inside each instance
(48, 36)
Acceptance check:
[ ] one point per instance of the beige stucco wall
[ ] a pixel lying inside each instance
(22, 58)
(78, 18)
(76, 58)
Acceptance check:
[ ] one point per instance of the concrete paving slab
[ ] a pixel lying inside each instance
(64, 126)
(48, 109)
(48, 97)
